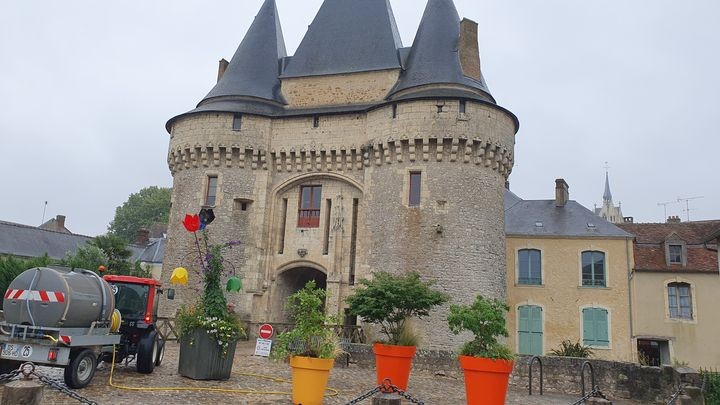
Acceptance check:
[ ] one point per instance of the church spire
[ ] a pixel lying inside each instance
(254, 69)
(607, 196)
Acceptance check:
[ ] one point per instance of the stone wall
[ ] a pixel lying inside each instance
(617, 380)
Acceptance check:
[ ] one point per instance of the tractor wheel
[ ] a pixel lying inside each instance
(161, 352)
(147, 352)
(81, 369)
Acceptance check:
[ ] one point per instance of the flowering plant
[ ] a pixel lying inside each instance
(211, 313)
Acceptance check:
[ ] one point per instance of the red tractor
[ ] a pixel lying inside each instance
(137, 300)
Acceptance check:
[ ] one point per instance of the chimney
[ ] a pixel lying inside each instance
(222, 67)
(60, 223)
(143, 237)
(469, 49)
(562, 193)
(673, 219)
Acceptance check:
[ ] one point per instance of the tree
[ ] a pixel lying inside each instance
(11, 267)
(115, 248)
(88, 257)
(142, 209)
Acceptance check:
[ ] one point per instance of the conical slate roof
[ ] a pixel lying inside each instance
(434, 57)
(348, 36)
(254, 69)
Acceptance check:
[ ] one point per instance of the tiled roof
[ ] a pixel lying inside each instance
(649, 247)
(30, 241)
(152, 253)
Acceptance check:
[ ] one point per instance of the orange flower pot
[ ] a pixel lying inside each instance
(393, 362)
(486, 380)
(309, 379)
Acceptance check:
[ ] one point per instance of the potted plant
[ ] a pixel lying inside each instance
(486, 362)
(207, 332)
(311, 346)
(389, 301)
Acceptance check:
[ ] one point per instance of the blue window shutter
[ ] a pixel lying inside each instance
(602, 335)
(524, 330)
(588, 326)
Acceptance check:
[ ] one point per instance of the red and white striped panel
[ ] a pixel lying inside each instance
(32, 295)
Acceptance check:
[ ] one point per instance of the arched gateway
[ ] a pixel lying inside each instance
(291, 281)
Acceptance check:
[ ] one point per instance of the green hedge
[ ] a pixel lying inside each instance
(712, 387)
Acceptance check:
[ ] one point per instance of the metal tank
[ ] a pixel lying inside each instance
(58, 298)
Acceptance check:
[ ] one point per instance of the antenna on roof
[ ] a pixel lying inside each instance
(687, 204)
(664, 205)
(43, 218)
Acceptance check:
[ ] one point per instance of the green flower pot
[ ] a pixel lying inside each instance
(201, 358)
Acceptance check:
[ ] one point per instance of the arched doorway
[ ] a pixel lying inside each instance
(290, 282)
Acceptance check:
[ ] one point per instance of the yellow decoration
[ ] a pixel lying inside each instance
(179, 276)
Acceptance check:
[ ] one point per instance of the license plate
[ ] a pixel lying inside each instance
(16, 351)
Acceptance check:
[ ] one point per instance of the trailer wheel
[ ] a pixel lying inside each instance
(81, 369)
(161, 352)
(147, 352)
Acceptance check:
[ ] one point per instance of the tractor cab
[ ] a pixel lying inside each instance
(136, 300)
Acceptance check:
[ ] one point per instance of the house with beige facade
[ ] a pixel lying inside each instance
(355, 154)
(567, 277)
(675, 288)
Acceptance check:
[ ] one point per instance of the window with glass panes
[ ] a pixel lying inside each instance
(415, 183)
(309, 212)
(680, 300)
(529, 267)
(675, 253)
(211, 193)
(593, 269)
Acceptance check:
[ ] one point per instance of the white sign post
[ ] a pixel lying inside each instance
(263, 347)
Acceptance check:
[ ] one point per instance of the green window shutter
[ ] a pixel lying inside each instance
(588, 315)
(524, 330)
(536, 328)
(602, 333)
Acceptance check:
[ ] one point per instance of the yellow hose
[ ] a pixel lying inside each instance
(332, 392)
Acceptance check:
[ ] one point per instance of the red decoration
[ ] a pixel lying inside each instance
(191, 222)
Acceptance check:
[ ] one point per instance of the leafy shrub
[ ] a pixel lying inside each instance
(485, 318)
(311, 337)
(569, 349)
(389, 301)
(712, 386)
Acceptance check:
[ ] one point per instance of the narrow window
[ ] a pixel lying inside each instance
(237, 122)
(675, 253)
(596, 329)
(394, 110)
(326, 240)
(529, 267)
(282, 226)
(211, 193)
(243, 206)
(309, 214)
(415, 184)
(353, 240)
(463, 106)
(439, 108)
(593, 269)
(680, 301)
(316, 121)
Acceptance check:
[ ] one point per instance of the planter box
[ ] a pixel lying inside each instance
(202, 359)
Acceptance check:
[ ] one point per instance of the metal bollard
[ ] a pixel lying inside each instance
(387, 399)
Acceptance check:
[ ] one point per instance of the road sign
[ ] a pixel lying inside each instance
(266, 331)
(263, 347)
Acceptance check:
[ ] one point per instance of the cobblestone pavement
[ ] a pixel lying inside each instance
(350, 383)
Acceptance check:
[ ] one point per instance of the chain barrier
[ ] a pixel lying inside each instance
(595, 393)
(387, 388)
(27, 370)
(676, 395)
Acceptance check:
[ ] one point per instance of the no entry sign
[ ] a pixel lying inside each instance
(266, 331)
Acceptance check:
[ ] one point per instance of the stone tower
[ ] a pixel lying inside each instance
(356, 154)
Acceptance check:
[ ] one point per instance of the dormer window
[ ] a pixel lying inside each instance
(675, 254)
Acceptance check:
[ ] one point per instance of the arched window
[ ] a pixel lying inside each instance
(529, 267)
(680, 300)
(593, 269)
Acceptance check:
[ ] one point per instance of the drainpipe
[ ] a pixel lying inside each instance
(630, 277)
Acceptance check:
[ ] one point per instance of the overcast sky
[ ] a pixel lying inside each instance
(87, 86)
